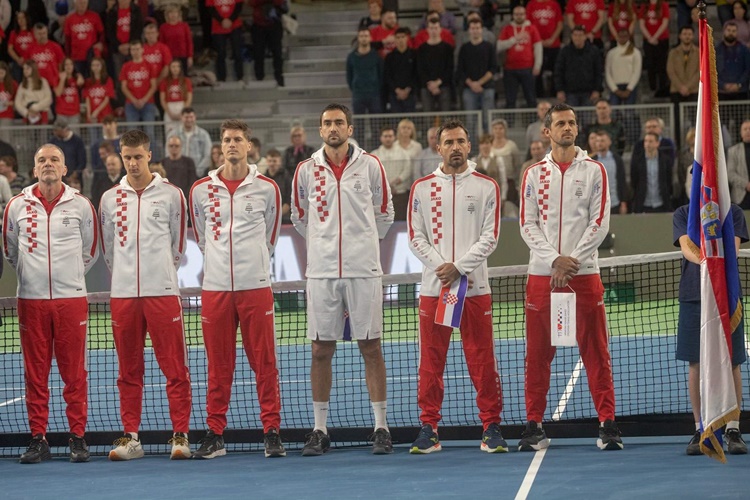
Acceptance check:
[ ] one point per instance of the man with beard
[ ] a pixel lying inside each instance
(732, 65)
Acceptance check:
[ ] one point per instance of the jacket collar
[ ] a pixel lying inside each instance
(252, 172)
(354, 154)
(155, 178)
(68, 192)
(472, 168)
(579, 157)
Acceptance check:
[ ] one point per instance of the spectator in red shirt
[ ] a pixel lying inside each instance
(8, 88)
(46, 54)
(156, 53)
(138, 84)
(67, 92)
(84, 33)
(175, 93)
(654, 23)
(19, 41)
(226, 25)
(384, 34)
(176, 34)
(590, 14)
(622, 16)
(267, 33)
(422, 35)
(546, 16)
(98, 92)
(523, 61)
(123, 24)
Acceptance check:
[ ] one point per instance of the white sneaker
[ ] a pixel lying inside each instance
(126, 448)
(180, 446)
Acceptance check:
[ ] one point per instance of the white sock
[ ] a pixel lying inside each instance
(320, 410)
(134, 435)
(380, 409)
(733, 424)
(697, 426)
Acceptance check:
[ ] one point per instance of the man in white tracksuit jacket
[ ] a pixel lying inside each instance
(564, 217)
(454, 224)
(144, 225)
(51, 238)
(342, 206)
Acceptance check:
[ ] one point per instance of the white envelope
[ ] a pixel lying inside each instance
(563, 318)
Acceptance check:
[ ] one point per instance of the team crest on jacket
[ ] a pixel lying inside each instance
(471, 209)
(358, 186)
(156, 214)
(249, 207)
(416, 206)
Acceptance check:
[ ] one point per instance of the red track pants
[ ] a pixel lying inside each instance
(253, 311)
(54, 327)
(591, 335)
(479, 349)
(161, 317)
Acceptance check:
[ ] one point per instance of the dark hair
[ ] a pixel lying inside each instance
(10, 161)
(256, 143)
(386, 128)
(109, 119)
(108, 145)
(363, 28)
(451, 124)
(233, 124)
(134, 138)
(273, 152)
(579, 27)
(136, 41)
(103, 76)
(689, 27)
(8, 80)
(187, 110)
(601, 99)
(475, 21)
(742, 4)
(557, 108)
(386, 11)
(403, 31)
(656, 136)
(38, 26)
(731, 22)
(334, 106)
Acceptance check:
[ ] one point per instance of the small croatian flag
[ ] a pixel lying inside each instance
(451, 303)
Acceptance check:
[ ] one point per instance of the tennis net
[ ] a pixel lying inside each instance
(642, 308)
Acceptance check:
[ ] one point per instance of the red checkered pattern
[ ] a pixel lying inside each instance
(543, 192)
(214, 210)
(451, 299)
(320, 193)
(31, 234)
(437, 213)
(121, 216)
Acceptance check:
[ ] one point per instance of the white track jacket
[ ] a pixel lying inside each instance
(564, 213)
(454, 219)
(51, 254)
(143, 237)
(344, 220)
(236, 233)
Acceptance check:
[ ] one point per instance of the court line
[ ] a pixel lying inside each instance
(536, 462)
(528, 479)
(568, 390)
(11, 401)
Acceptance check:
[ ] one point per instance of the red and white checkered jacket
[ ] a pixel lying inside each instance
(454, 219)
(564, 213)
(342, 220)
(236, 233)
(143, 237)
(51, 254)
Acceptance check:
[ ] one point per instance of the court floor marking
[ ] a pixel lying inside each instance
(536, 462)
(11, 401)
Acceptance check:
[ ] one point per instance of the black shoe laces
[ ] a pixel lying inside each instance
(273, 439)
(380, 437)
(36, 444)
(77, 445)
(314, 438)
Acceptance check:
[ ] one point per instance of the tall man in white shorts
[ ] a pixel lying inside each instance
(144, 226)
(342, 206)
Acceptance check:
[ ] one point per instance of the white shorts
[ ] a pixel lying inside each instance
(331, 301)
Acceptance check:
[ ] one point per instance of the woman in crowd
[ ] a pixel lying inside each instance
(175, 93)
(19, 41)
(8, 88)
(67, 92)
(622, 70)
(405, 134)
(622, 16)
(34, 97)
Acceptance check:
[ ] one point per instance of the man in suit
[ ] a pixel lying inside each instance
(737, 168)
(651, 177)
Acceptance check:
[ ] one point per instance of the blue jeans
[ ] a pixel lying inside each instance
(408, 105)
(577, 99)
(367, 104)
(514, 78)
(473, 101)
(614, 100)
(146, 114)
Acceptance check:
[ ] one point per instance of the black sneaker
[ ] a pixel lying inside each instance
(492, 440)
(273, 445)
(609, 436)
(427, 441)
(735, 444)
(79, 450)
(317, 443)
(37, 451)
(381, 442)
(211, 446)
(533, 438)
(694, 446)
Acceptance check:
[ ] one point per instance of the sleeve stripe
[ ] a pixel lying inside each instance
(522, 198)
(605, 193)
(411, 203)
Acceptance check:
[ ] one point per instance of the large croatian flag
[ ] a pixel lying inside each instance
(710, 226)
(451, 303)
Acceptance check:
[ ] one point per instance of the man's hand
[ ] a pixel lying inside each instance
(447, 273)
(563, 269)
(226, 23)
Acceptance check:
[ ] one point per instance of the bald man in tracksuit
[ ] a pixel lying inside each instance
(51, 238)
(454, 224)
(144, 226)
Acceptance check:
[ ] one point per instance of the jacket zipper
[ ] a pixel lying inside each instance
(338, 194)
(559, 227)
(453, 223)
(138, 248)
(231, 228)
(49, 254)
